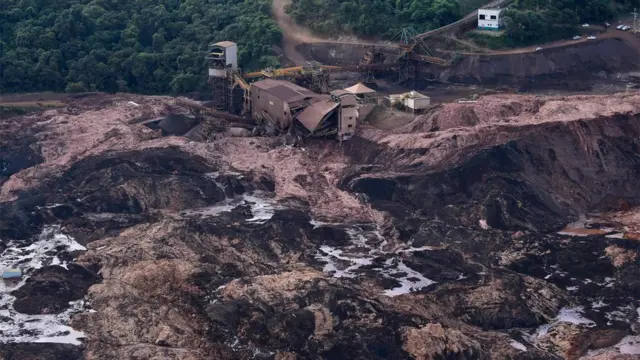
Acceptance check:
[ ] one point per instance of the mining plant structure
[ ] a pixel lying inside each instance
(277, 104)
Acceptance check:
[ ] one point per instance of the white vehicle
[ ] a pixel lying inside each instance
(538, 48)
(585, 25)
(577, 37)
(619, 27)
(626, 27)
(591, 37)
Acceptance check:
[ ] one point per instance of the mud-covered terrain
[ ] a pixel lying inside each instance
(505, 229)
(571, 66)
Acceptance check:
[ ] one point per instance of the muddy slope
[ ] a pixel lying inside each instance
(418, 244)
(550, 66)
(564, 67)
(539, 180)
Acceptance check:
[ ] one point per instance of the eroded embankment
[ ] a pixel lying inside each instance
(564, 67)
(496, 192)
(539, 179)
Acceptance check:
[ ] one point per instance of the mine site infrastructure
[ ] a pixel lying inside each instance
(297, 99)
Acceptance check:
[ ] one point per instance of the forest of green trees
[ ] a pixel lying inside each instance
(526, 21)
(158, 46)
(145, 46)
(384, 18)
(531, 21)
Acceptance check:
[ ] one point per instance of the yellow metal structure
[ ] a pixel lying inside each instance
(240, 81)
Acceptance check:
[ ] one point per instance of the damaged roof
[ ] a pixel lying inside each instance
(284, 90)
(315, 114)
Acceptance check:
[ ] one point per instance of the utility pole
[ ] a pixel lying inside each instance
(635, 19)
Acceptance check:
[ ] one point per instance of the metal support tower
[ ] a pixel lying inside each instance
(222, 59)
(635, 19)
(220, 92)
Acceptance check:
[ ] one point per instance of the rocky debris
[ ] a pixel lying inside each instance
(34, 351)
(505, 184)
(620, 256)
(434, 341)
(439, 243)
(50, 289)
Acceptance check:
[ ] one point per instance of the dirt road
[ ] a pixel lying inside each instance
(611, 34)
(294, 34)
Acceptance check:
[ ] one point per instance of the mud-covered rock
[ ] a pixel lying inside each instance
(22, 154)
(308, 315)
(31, 351)
(50, 289)
(433, 341)
(434, 243)
(518, 185)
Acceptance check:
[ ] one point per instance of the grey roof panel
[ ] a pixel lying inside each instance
(284, 90)
(313, 115)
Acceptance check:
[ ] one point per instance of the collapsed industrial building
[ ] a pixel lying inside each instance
(280, 106)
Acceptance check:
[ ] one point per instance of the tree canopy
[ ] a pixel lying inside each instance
(384, 18)
(145, 46)
(531, 21)
(526, 21)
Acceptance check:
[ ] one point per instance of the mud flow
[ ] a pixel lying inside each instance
(507, 228)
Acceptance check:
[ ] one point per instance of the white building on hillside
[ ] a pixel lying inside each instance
(489, 19)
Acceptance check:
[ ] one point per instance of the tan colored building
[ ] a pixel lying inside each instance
(320, 118)
(282, 103)
(347, 113)
(278, 101)
(366, 97)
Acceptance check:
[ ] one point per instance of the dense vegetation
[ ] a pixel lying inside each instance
(526, 21)
(158, 46)
(531, 21)
(384, 18)
(534, 21)
(146, 46)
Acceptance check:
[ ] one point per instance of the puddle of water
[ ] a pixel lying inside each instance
(583, 232)
(616, 236)
(621, 313)
(331, 267)
(19, 327)
(262, 209)
(567, 315)
(598, 304)
(412, 281)
(364, 246)
(629, 345)
(518, 345)
(41, 328)
(317, 223)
